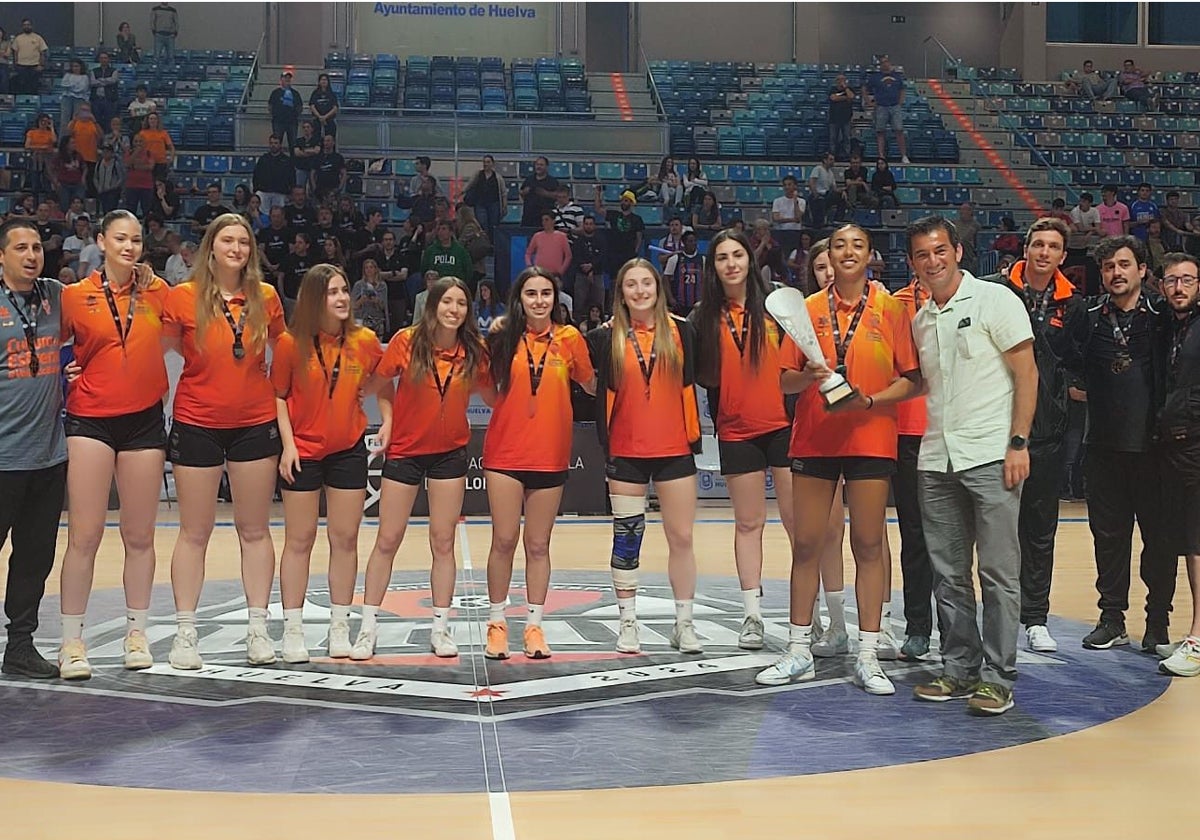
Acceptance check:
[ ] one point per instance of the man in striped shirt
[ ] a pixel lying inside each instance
(568, 216)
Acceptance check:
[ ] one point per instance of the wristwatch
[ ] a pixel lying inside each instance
(1017, 442)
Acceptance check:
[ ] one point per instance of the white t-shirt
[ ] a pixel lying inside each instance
(790, 212)
(176, 271)
(90, 259)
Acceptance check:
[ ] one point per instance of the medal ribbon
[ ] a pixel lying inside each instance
(839, 346)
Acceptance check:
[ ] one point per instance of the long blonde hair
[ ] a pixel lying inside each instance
(669, 357)
(208, 293)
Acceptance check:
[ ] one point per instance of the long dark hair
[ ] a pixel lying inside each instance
(710, 316)
(310, 306)
(503, 345)
(421, 349)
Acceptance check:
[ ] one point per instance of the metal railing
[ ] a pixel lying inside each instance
(253, 75)
(658, 106)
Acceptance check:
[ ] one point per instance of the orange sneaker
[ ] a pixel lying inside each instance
(497, 640)
(535, 643)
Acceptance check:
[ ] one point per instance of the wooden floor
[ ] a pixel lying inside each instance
(1130, 778)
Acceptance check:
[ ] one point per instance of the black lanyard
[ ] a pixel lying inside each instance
(239, 350)
(535, 374)
(647, 370)
(739, 341)
(332, 379)
(1037, 302)
(443, 387)
(122, 332)
(1123, 360)
(29, 325)
(1179, 336)
(839, 346)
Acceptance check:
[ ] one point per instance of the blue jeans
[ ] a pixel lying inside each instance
(164, 48)
(489, 217)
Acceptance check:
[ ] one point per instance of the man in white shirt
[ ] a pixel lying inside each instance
(787, 211)
(74, 244)
(672, 243)
(976, 348)
(1085, 233)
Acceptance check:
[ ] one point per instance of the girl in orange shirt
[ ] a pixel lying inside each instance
(440, 361)
(526, 452)
(318, 368)
(738, 361)
(649, 424)
(115, 427)
(42, 143)
(222, 321)
(159, 143)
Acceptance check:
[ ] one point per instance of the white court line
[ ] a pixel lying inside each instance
(502, 821)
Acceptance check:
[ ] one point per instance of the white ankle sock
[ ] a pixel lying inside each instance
(835, 603)
(752, 602)
(868, 642)
(339, 612)
(496, 612)
(135, 620)
(72, 627)
(627, 607)
(441, 618)
(534, 616)
(258, 616)
(368, 620)
(185, 618)
(292, 618)
(683, 610)
(799, 637)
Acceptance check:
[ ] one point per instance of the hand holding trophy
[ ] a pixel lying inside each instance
(788, 308)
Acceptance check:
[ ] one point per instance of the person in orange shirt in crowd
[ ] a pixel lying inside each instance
(318, 368)
(87, 133)
(114, 426)
(534, 358)
(856, 442)
(439, 361)
(648, 422)
(159, 144)
(42, 143)
(221, 321)
(738, 362)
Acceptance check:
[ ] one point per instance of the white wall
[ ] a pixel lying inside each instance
(226, 26)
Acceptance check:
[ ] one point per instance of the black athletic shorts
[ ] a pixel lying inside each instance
(756, 454)
(1181, 495)
(438, 466)
(197, 446)
(645, 470)
(345, 470)
(533, 480)
(143, 429)
(849, 467)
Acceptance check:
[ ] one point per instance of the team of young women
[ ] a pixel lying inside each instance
(304, 421)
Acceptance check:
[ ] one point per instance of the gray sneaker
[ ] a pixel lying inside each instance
(833, 642)
(751, 637)
(684, 639)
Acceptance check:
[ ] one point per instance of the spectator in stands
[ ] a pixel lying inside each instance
(568, 215)
(210, 210)
(41, 143)
(430, 277)
(241, 200)
(841, 111)
(159, 144)
(1091, 84)
(325, 229)
(164, 25)
(768, 253)
(587, 263)
(682, 276)
(488, 194)
(886, 93)
(140, 107)
(75, 88)
(274, 242)
(87, 135)
(594, 318)
(479, 248)
(967, 228)
(447, 256)
(51, 234)
(329, 174)
(1114, 215)
(350, 221)
(116, 138)
(537, 192)
(826, 202)
(665, 185)
(488, 306)
(370, 299)
(883, 184)
(672, 243)
(305, 152)
(1058, 210)
(274, 174)
(788, 210)
(180, 264)
(441, 208)
(74, 210)
(1009, 242)
(67, 171)
(1176, 224)
(127, 48)
(29, 60)
(707, 214)
(157, 248)
(103, 82)
(254, 212)
(1134, 87)
(109, 179)
(284, 105)
(295, 265)
(624, 230)
(1142, 211)
(360, 238)
(331, 253)
(73, 245)
(695, 183)
(1085, 233)
(1155, 247)
(323, 105)
(165, 201)
(300, 214)
(26, 205)
(422, 164)
(854, 181)
(5, 60)
(423, 205)
(410, 246)
(797, 261)
(394, 272)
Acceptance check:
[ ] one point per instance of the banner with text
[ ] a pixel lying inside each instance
(508, 30)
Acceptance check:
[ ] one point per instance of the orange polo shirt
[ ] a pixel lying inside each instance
(118, 378)
(534, 433)
(87, 134)
(751, 399)
(324, 422)
(425, 422)
(647, 426)
(40, 139)
(881, 351)
(217, 390)
(157, 143)
(911, 415)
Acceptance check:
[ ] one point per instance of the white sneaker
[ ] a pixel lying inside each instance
(339, 638)
(833, 643)
(684, 640)
(886, 649)
(364, 645)
(628, 640)
(1185, 661)
(442, 644)
(260, 650)
(904, 160)
(73, 662)
(869, 676)
(751, 637)
(294, 649)
(137, 651)
(184, 655)
(1039, 639)
(1165, 651)
(793, 666)
(817, 627)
